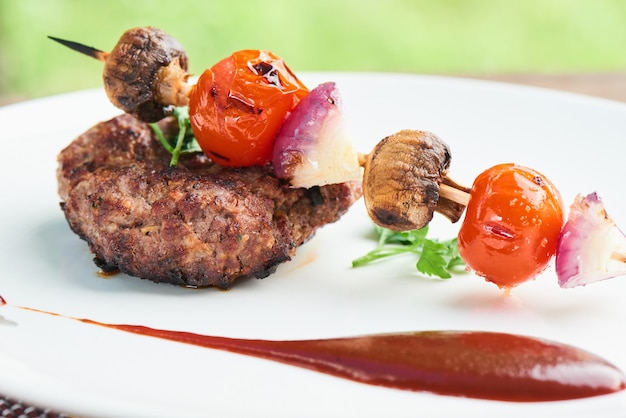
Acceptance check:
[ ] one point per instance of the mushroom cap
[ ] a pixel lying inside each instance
(132, 71)
(402, 177)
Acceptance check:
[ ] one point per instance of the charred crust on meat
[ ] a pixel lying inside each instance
(195, 225)
(316, 196)
(104, 266)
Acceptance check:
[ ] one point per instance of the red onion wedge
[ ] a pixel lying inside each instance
(591, 247)
(313, 146)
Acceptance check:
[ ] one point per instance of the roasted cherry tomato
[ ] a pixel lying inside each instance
(512, 224)
(237, 107)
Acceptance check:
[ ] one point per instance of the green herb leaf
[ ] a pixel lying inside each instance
(435, 258)
(432, 261)
(184, 142)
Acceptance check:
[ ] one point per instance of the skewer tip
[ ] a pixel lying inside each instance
(83, 49)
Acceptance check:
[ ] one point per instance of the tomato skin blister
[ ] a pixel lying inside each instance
(512, 224)
(237, 107)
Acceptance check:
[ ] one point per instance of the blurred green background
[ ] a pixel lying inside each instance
(422, 36)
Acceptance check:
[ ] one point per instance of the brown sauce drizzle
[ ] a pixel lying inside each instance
(484, 365)
(475, 364)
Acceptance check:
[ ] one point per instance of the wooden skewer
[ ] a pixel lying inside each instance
(618, 256)
(453, 194)
(83, 49)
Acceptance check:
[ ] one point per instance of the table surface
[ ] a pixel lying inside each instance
(605, 85)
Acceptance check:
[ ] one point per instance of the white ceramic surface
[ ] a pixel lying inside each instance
(577, 141)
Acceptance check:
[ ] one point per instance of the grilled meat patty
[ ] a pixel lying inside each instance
(197, 224)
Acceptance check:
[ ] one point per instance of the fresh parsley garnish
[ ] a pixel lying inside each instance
(435, 258)
(183, 143)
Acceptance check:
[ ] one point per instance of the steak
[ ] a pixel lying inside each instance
(197, 224)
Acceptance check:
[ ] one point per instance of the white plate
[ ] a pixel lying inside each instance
(578, 142)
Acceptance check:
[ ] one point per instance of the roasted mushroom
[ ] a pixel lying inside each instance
(405, 181)
(145, 73)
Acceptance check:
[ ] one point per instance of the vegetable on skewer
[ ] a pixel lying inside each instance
(313, 146)
(405, 181)
(512, 224)
(239, 104)
(591, 247)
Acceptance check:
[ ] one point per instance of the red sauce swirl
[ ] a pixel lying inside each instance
(484, 365)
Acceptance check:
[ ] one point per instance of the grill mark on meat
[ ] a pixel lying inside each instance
(197, 224)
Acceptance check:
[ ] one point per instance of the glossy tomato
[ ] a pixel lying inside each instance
(512, 224)
(237, 106)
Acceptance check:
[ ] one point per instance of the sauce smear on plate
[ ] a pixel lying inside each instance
(476, 364)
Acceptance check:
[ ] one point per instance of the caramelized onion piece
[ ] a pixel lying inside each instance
(591, 247)
(313, 146)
